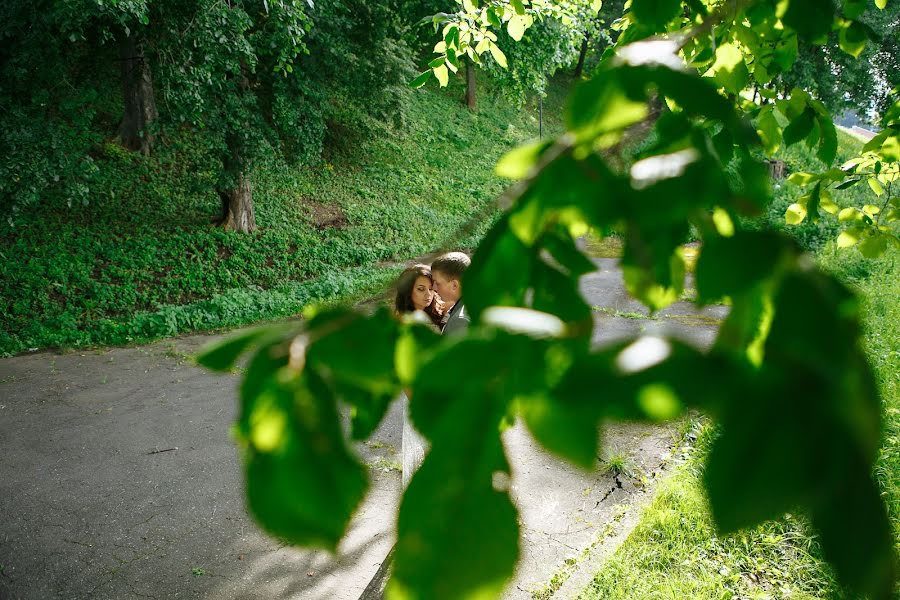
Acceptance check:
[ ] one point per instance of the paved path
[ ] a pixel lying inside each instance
(118, 479)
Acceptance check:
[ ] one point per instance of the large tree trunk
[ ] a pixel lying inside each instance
(237, 206)
(579, 68)
(237, 201)
(135, 131)
(470, 84)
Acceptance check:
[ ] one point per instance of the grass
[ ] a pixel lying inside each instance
(674, 552)
(142, 261)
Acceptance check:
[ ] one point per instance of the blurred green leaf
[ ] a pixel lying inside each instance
(302, 482)
(461, 489)
(768, 129)
(222, 355)
(516, 163)
(852, 39)
(799, 128)
(729, 70)
(655, 13)
(807, 17)
(730, 266)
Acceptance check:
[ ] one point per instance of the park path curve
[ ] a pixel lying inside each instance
(119, 479)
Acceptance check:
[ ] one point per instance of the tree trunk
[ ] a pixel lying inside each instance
(470, 84)
(237, 201)
(579, 68)
(237, 206)
(135, 131)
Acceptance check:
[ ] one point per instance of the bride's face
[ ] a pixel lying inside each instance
(421, 292)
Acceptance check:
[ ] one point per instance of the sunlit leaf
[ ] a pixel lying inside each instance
(795, 214)
(768, 129)
(729, 69)
(516, 163)
(302, 482)
(875, 185)
(441, 74)
(498, 55)
(849, 237)
(852, 39)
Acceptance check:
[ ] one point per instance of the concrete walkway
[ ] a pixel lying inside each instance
(118, 478)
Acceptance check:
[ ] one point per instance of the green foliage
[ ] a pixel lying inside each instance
(874, 224)
(140, 260)
(675, 549)
(675, 545)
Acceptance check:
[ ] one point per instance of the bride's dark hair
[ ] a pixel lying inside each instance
(403, 301)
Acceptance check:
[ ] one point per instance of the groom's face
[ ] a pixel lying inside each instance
(448, 289)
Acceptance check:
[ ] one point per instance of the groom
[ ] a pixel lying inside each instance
(447, 271)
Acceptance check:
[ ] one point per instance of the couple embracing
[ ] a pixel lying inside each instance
(437, 291)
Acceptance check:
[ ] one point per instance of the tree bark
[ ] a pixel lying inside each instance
(237, 206)
(135, 130)
(470, 84)
(579, 68)
(237, 201)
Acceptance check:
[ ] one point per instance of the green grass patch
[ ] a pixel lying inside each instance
(674, 552)
(141, 259)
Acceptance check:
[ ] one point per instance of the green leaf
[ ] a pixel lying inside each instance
(655, 14)
(799, 128)
(558, 294)
(849, 237)
(795, 214)
(807, 17)
(854, 8)
(516, 26)
(566, 421)
(421, 80)
(302, 482)
(875, 185)
(828, 142)
(768, 129)
(873, 245)
(848, 183)
(499, 273)
(221, 356)
(731, 266)
(729, 70)
(517, 163)
(564, 251)
(460, 491)
(441, 74)
(881, 4)
(518, 6)
(600, 105)
(361, 352)
(498, 55)
(852, 39)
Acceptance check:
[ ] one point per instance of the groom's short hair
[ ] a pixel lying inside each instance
(451, 264)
